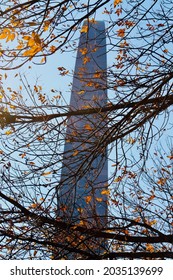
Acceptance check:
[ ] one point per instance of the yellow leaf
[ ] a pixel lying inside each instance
(150, 248)
(40, 138)
(81, 92)
(105, 192)
(131, 140)
(37, 39)
(86, 60)
(86, 106)
(118, 179)
(10, 37)
(84, 29)
(8, 132)
(153, 222)
(43, 60)
(32, 23)
(116, 2)
(92, 20)
(94, 50)
(99, 199)
(26, 37)
(80, 209)
(83, 51)
(46, 173)
(46, 25)
(88, 127)
(151, 197)
(52, 49)
(90, 84)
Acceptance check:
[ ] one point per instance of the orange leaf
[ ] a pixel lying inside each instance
(86, 59)
(75, 153)
(99, 199)
(118, 179)
(81, 92)
(116, 2)
(149, 248)
(8, 132)
(83, 51)
(46, 173)
(88, 199)
(161, 181)
(105, 192)
(121, 32)
(84, 29)
(22, 155)
(88, 127)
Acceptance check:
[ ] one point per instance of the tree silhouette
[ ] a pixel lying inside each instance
(138, 114)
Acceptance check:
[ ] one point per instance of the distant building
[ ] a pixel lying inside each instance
(82, 196)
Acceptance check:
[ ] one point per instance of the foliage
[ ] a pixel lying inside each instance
(138, 114)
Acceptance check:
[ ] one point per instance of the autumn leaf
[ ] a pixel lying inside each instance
(34, 205)
(7, 34)
(46, 173)
(131, 140)
(97, 74)
(99, 199)
(170, 157)
(118, 12)
(118, 179)
(105, 192)
(116, 2)
(81, 92)
(150, 248)
(83, 51)
(88, 199)
(121, 32)
(84, 29)
(86, 60)
(8, 132)
(34, 43)
(22, 155)
(88, 127)
(46, 25)
(161, 181)
(86, 107)
(75, 153)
